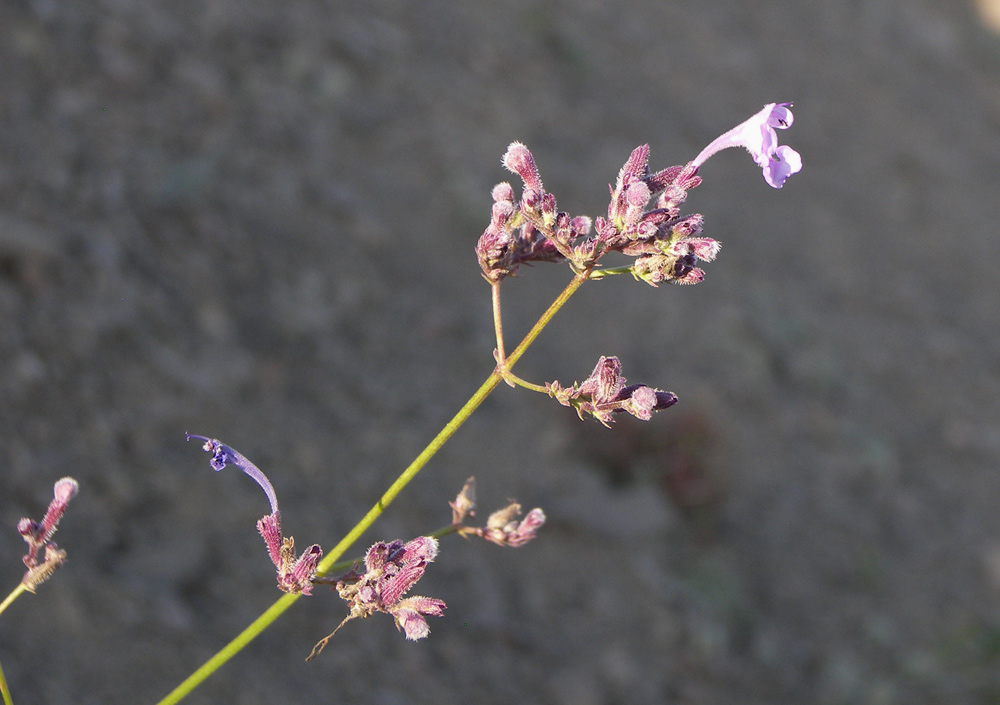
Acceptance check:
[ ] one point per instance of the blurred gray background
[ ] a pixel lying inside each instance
(255, 220)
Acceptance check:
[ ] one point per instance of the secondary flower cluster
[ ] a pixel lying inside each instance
(38, 535)
(391, 569)
(502, 527)
(665, 245)
(604, 394)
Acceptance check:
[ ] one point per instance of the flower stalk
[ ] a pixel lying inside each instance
(643, 222)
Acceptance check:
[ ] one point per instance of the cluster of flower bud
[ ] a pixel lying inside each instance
(604, 394)
(665, 245)
(503, 527)
(391, 569)
(38, 535)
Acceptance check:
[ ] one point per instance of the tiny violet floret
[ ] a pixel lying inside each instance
(223, 455)
(758, 136)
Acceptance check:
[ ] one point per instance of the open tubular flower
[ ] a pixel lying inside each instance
(295, 575)
(758, 136)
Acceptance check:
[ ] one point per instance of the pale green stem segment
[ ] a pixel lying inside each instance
(330, 560)
(512, 379)
(497, 324)
(15, 593)
(4, 690)
(601, 273)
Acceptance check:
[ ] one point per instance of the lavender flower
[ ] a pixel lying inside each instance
(39, 534)
(604, 394)
(294, 575)
(757, 135)
(223, 454)
(391, 569)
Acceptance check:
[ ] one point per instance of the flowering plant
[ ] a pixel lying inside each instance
(643, 223)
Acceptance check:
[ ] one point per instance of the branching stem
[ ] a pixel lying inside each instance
(331, 559)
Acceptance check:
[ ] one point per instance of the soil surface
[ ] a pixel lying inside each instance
(255, 220)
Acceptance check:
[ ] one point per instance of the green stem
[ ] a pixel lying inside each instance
(4, 690)
(512, 379)
(601, 273)
(15, 593)
(330, 560)
(497, 323)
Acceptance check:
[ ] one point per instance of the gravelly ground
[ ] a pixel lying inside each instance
(255, 220)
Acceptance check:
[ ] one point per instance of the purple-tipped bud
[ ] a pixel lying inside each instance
(635, 167)
(300, 576)
(503, 193)
(269, 528)
(704, 248)
(519, 160)
(581, 225)
(29, 529)
(642, 401)
(604, 394)
(66, 489)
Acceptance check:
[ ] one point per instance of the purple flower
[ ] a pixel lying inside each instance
(604, 393)
(295, 575)
(758, 136)
(391, 569)
(38, 535)
(223, 454)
